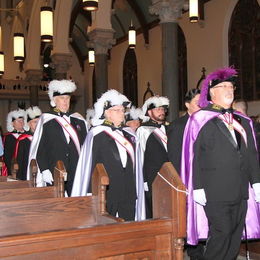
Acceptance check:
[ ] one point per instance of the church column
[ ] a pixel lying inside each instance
(62, 62)
(101, 40)
(34, 77)
(168, 12)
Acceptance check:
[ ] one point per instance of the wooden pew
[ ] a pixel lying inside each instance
(13, 183)
(22, 190)
(78, 228)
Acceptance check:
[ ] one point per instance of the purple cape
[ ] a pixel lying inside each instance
(197, 223)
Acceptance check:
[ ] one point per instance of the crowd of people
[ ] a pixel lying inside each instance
(213, 147)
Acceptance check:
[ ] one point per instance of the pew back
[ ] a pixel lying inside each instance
(24, 190)
(78, 228)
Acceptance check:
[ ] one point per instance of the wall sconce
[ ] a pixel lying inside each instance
(91, 57)
(194, 11)
(19, 47)
(90, 5)
(2, 63)
(46, 24)
(132, 37)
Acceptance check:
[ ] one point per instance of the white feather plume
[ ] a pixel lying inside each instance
(31, 112)
(60, 86)
(157, 101)
(114, 97)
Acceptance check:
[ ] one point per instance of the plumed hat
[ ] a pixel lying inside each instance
(109, 99)
(19, 113)
(221, 75)
(134, 113)
(153, 102)
(30, 114)
(60, 87)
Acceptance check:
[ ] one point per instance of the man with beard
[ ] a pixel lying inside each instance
(219, 162)
(24, 141)
(153, 138)
(115, 146)
(15, 127)
(59, 135)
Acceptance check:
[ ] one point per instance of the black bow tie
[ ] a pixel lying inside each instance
(117, 128)
(17, 132)
(64, 114)
(228, 110)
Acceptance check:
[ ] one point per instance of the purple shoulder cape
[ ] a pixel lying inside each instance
(197, 224)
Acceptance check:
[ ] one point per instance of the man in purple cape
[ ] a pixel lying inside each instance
(219, 166)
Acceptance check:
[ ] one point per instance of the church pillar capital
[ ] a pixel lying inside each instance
(34, 76)
(101, 40)
(62, 63)
(167, 10)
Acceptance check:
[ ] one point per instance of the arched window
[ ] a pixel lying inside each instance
(182, 61)
(244, 48)
(130, 76)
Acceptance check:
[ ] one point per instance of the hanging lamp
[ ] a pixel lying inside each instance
(19, 47)
(132, 36)
(2, 64)
(194, 11)
(46, 24)
(91, 57)
(90, 5)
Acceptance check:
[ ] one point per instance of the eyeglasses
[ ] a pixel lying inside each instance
(226, 86)
(118, 110)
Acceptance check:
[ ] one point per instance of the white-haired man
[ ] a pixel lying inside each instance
(59, 135)
(113, 145)
(153, 138)
(23, 142)
(15, 127)
(219, 166)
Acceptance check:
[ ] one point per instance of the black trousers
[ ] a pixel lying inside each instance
(226, 223)
(124, 209)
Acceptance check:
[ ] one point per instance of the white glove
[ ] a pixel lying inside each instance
(146, 186)
(199, 196)
(256, 188)
(47, 176)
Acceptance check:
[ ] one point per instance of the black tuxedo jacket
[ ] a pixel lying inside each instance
(122, 186)
(23, 158)
(154, 157)
(175, 140)
(220, 166)
(53, 146)
(9, 149)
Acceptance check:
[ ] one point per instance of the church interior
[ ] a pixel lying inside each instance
(171, 52)
(141, 48)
